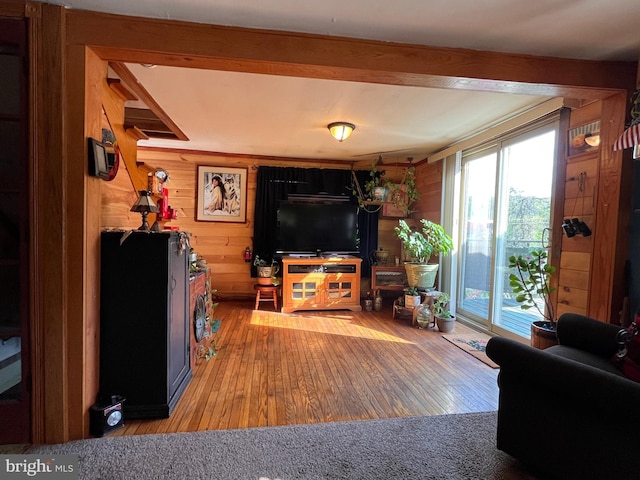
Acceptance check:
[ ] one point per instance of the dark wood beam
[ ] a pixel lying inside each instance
(183, 44)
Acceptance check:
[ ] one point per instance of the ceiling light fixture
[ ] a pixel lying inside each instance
(341, 130)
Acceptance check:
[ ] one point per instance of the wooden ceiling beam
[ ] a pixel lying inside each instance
(183, 44)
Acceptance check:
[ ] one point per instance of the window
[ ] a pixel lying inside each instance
(505, 209)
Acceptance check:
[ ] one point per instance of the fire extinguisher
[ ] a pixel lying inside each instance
(247, 255)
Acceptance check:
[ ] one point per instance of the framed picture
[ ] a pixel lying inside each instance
(584, 138)
(222, 194)
(392, 208)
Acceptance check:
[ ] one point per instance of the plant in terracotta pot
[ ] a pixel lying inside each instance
(266, 270)
(420, 245)
(445, 320)
(531, 284)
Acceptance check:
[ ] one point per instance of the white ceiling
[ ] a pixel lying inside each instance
(283, 116)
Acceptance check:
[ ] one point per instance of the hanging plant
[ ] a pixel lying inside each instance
(403, 195)
(375, 192)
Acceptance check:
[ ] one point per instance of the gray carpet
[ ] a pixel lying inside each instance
(443, 447)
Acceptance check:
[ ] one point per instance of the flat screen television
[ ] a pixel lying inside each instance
(309, 228)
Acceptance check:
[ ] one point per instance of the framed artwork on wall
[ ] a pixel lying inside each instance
(222, 194)
(396, 204)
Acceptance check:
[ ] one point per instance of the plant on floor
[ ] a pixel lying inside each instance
(445, 320)
(530, 282)
(440, 306)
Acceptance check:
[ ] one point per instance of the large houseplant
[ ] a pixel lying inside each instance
(531, 284)
(420, 245)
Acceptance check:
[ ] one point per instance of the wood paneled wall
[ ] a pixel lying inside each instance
(575, 258)
(429, 184)
(590, 274)
(221, 244)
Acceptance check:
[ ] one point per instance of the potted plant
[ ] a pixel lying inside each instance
(445, 320)
(411, 297)
(530, 283)
(266, 270)
(421, 245)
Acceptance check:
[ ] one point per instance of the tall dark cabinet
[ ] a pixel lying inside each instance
(144, 321)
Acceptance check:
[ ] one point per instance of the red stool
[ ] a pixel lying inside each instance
(266, 293)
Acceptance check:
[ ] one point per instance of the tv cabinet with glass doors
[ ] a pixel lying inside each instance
(321, 283)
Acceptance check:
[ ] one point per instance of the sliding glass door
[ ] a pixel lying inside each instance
(505, 210)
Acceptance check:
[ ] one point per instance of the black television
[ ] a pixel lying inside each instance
(314, 228)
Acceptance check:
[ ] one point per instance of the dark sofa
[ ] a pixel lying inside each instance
(567, 411)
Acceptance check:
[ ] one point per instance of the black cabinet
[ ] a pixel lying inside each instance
(144, 321)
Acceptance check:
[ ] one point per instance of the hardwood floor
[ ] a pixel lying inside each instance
(310, 367)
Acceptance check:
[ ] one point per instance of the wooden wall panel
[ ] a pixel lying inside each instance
(570, 278)
(562, 308)
(573, 297)
(591, 268)
(85, 337)
(575, 261)
(221, 244)
(429, 184)
(610, 230)
(50, 217)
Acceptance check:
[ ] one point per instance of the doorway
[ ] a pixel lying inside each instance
(506, 210)
(14, 252)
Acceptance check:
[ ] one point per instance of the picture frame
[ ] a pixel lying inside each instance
(222, 194)
(585, 138)
(390, 209)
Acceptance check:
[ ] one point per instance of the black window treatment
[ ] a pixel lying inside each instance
(274, 184)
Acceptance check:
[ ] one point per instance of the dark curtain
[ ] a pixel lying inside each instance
(276, 183)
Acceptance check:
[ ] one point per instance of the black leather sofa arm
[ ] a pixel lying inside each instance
(587, 334)
(559, 377)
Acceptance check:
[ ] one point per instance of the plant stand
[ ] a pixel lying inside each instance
(400, 311)
(266, 293)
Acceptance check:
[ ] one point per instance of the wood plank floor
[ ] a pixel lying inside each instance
(310, 367)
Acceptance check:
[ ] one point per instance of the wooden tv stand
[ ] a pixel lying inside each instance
(321, 283)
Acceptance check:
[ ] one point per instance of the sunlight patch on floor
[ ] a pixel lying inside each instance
(334, 324)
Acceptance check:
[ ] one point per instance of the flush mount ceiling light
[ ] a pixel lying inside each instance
(341, 130)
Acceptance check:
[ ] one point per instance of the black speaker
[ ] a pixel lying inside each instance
(106, 415)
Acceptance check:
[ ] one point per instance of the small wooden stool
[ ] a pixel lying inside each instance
(271, 292)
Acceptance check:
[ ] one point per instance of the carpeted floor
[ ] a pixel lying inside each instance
(472, 343)
(444, 447)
